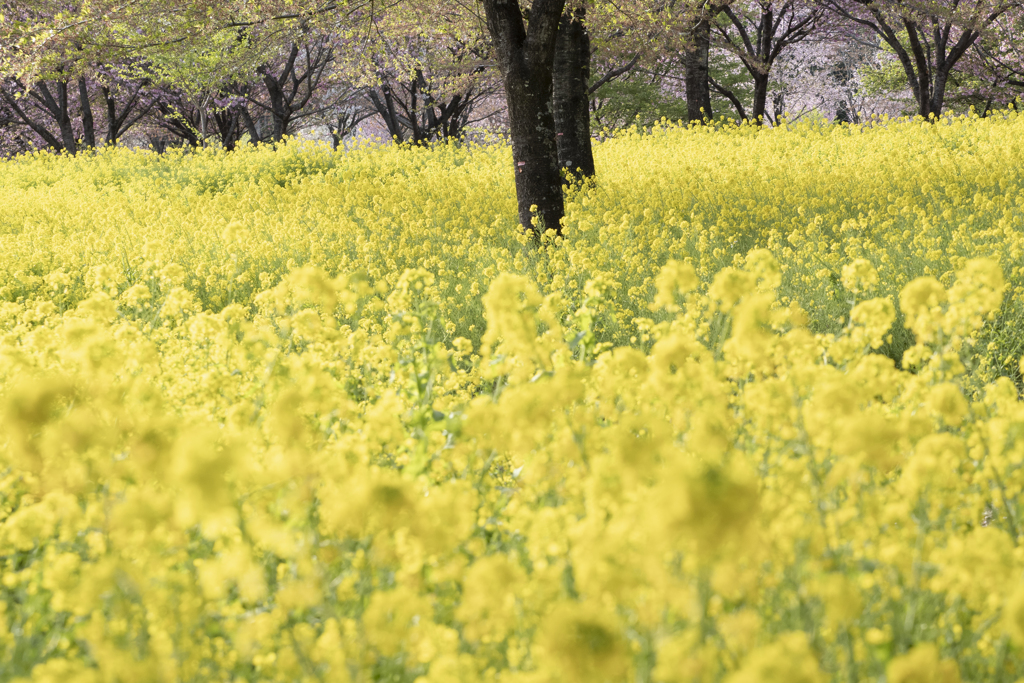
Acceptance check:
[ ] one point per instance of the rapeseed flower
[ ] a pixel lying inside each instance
(291, 415)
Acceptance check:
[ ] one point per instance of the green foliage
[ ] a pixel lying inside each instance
(629, 101)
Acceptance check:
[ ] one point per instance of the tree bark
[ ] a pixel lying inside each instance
(695, 63)
(29, 121)
(280, 104)
(250, 126)
(113, 124)
(133, 109)
(58, 109)
(924, 80)
(570, 96)
(526, 61)
(760, 98)
(386, 109)
(939, 91)
(88, 125)
(229, 126)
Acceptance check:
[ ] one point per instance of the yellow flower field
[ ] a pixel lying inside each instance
(297, 415)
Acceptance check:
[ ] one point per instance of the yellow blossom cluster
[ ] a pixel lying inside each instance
(295, 415)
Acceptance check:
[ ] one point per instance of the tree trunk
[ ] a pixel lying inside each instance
(58, 108)
(250, 126)
(203, 116)
(417, 113)
(113, 126)
(923, 91)
(278, 108)
(695, 62)
(29, 121)
(88, 126)
(132, 110)
(570, 96)
(760, 98)
(67, 130)
(526, 60)
(229, 127)
(535, 154)
(387, 110)
(280, 104)
(939, 91)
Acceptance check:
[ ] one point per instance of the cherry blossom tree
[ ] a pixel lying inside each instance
(929, 38)
(71, 113)
(190, 53)
(194, 119)
(826, 76)
(287, 88)
(758, 32)
(997, 62)
(351, 108)
(426, 86)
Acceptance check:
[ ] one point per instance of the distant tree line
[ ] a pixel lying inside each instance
(550, 76)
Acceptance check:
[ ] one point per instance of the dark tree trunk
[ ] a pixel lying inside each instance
(229, 126)
(570, 96)
(39, 129)
(67, 130)
(698, 87)
(411, 112)
(279, 110)
(933, 65)
(113, 125)
(281, 107)
(58, 109)
(535, 154)
(250, 126)
(454, 115)
(132, 111)
(88, 125)
(939, 91)
(924, 76)
(760, 98)
(414, 114)
(47, 108)
(384, 104)
(291, 90)
(526, 60)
